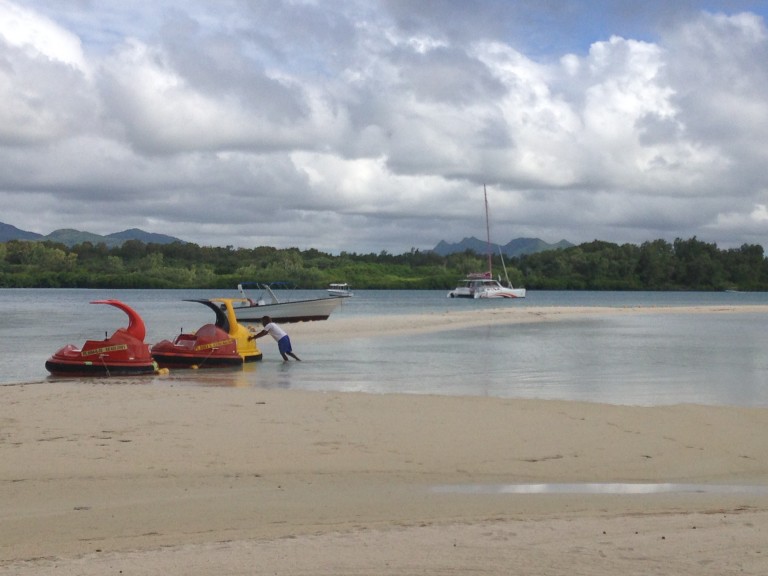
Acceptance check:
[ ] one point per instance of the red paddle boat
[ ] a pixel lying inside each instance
(224, 343)
(124, 353)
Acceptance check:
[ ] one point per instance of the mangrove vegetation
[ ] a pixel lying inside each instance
(655, 265)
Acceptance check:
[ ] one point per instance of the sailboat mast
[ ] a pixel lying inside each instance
(488, 232)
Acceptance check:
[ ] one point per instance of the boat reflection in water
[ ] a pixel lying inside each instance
(265, 375)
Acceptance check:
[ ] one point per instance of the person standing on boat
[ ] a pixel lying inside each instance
(280, 336)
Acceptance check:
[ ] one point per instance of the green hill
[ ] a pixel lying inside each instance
(71, 237)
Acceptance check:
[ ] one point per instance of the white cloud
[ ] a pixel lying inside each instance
(44, 80)
(719, 76)
(365, 126)
(39, 36)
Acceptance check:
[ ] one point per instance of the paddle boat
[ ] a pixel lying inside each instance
(122, 354)
(223, 343)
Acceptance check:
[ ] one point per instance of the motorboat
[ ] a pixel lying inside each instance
(223, 343)
(483, 286)
(340, 289)
(122, 354)
(268, 304)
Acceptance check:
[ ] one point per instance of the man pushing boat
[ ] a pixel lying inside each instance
(280, 336)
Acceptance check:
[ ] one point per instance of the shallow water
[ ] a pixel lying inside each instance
(601, 488)
(647, 359)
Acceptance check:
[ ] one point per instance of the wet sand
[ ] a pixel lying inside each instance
(158, 477)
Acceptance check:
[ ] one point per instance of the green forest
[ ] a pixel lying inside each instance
(655, 265)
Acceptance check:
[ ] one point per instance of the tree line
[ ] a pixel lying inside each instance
(656, 265)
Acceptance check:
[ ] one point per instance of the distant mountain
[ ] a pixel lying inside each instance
(70, 237)
(146, 237)
(521, 246)
(8, 232)
(516, 247)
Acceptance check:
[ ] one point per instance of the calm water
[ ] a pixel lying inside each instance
(642, 360)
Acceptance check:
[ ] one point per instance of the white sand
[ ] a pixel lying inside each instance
(99, 478)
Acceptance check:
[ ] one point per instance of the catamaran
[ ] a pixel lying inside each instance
(482, 284)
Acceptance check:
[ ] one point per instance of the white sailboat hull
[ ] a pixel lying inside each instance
(484, 288)
(501, 292)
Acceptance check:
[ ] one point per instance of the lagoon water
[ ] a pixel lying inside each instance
(649, 359)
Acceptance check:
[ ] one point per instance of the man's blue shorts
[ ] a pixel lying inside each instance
(284, 345)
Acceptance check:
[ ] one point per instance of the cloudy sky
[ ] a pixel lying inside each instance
(370, 125)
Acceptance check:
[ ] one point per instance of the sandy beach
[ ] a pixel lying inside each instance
(161, 477)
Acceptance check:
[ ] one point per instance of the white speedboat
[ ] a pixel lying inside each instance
(483, 286)
(340, 289)
(267, 304)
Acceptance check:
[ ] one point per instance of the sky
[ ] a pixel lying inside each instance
(375, 125)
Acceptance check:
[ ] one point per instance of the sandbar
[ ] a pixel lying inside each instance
(340, 327)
